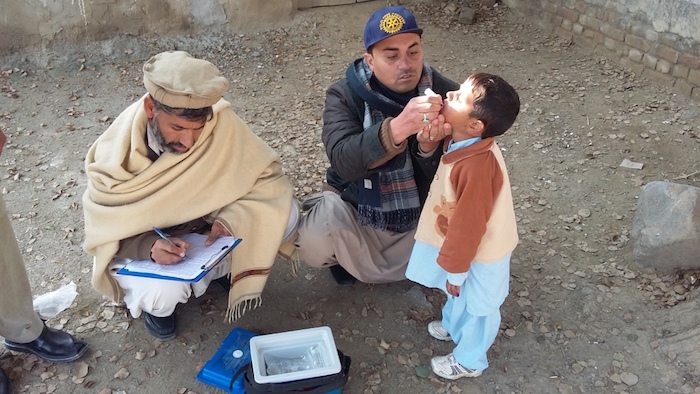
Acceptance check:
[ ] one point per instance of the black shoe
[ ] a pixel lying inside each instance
(52, 345)
(341, 276)
(5, 386)
(163, 328)
(224, 282)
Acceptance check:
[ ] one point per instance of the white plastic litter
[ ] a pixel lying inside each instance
(50, 304)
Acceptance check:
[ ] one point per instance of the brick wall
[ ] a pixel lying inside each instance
(659, 40)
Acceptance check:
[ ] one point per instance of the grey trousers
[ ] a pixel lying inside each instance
(329, 234)
(18, 321)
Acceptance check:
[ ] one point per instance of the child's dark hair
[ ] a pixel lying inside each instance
(496, 103)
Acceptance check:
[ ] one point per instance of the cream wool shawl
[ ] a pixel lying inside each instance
(229, 174)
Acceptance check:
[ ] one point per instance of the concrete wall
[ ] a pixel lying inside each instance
(302, 4)
(659, 40)
(41, 23)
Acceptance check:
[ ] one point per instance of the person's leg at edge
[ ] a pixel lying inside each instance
(5, 386)
(21, 327)
(18, 321)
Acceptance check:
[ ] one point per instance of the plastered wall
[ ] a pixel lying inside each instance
(658, 39)
(29, 23)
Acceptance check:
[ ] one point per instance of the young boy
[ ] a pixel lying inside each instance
(467, 228)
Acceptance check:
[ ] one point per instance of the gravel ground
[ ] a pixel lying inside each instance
(582, 316)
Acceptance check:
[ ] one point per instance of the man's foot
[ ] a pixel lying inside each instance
(437, 331)
(52, 345)
(224, 282)
(163, 328)
(5, 386)
(341, 276)
(447, 367)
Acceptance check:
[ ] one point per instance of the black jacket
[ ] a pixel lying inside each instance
(351, 150)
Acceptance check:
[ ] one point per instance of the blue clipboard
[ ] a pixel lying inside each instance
(199, 261)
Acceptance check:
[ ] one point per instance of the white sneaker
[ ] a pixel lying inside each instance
(437, 331)
(447, 367)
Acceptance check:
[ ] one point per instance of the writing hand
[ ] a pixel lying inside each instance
(452, 289)
(217, 230)
(166, 253)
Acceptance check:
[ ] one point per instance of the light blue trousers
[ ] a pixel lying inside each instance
(473, 318)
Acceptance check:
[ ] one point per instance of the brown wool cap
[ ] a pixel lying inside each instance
(178, 80)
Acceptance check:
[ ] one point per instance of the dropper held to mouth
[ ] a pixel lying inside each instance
(430, 93)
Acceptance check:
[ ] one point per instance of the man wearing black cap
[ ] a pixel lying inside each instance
(382, 130)
(21, 327)
(179, 159)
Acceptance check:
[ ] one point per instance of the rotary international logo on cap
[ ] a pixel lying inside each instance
(387, 22)
(392, 23)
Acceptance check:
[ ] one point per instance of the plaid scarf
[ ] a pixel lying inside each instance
(388, 197)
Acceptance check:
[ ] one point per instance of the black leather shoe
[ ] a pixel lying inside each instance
(224, 282)
(341, 276)
(163, 328)
(52, 345)
(5, 386)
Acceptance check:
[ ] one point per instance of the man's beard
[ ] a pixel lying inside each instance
(160, 138)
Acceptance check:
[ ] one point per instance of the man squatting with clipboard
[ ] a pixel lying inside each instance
(181, 160)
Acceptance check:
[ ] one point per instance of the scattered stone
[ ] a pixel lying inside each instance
(577, 368)
(665, 226)
(629, 378)
(422, 371)
(467, 16)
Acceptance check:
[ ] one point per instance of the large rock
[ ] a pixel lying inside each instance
(666, 226)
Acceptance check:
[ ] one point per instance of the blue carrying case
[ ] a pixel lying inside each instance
(230, 369)
(329, 384)
(221, 369)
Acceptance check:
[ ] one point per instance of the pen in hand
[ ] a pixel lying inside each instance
(164, 236)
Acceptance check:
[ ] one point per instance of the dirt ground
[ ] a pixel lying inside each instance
(582, 316)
